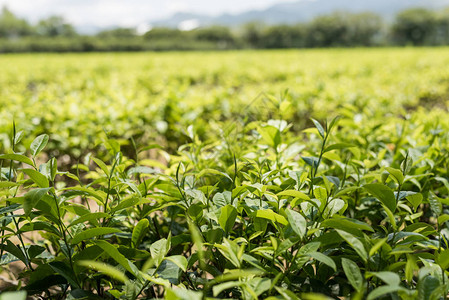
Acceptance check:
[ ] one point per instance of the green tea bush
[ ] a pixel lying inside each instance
(350, 208)
(154, 97)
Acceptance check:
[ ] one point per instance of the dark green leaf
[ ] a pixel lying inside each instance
(195, 211)
(170, 271)
(426, 286)
(353, 273)
(435, 204)
(10, 208)
(311, 161)
(14, 250)
(65, 271)
(89, 217)
(32, 198)
(349, 225)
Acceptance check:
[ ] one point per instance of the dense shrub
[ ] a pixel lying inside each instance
(255, 214)
(340, 29)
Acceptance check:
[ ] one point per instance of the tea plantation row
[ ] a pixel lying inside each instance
(119, 181)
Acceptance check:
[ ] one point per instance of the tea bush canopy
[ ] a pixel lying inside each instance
(154, 175)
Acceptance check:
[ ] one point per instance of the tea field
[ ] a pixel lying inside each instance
(311, 174)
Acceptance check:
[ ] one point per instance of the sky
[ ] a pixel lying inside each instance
(105, 13)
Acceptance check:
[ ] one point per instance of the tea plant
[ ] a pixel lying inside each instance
(154, 97)
(340, 210)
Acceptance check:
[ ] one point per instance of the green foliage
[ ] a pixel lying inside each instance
(12, 26)
(55, 26)
(415, 26)
(258, 232)
(344, 29)
(261, 204)
(118, 33)
(340, 29)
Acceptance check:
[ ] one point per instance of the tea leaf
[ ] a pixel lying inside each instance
(32, 198)
(272, 216)
(37, 177)
(18, 157)
(297, 222)
(354, 243)
(353, 273)
(383, 193)
(397, 174)
(323, 259)
(92, 232)
(319, 127)
(139, 232)
(178, 260)
(104, 268)
(227, 218)
(38, 144)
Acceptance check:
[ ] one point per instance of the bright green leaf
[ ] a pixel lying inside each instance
(17, 157)
(383, 193)
(355, 243)
(104, 268)
(139, 232)
(297, 222)
(271, 215)
(178, 260)
(397, 174)
(92, 232)
(227, 217)
(323, 259)
(37, 177)
(38, 144)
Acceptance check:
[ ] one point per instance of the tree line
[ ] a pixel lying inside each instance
(414, 27)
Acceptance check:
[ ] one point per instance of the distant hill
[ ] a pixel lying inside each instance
(301, 11)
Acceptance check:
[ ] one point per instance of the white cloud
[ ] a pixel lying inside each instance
(177, 6)
(124, 12)
(189, 25)
(143, 28)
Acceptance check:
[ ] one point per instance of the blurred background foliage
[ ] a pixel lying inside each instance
(412, 27)
(80, 98)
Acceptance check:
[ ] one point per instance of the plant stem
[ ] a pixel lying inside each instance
(63, 231)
